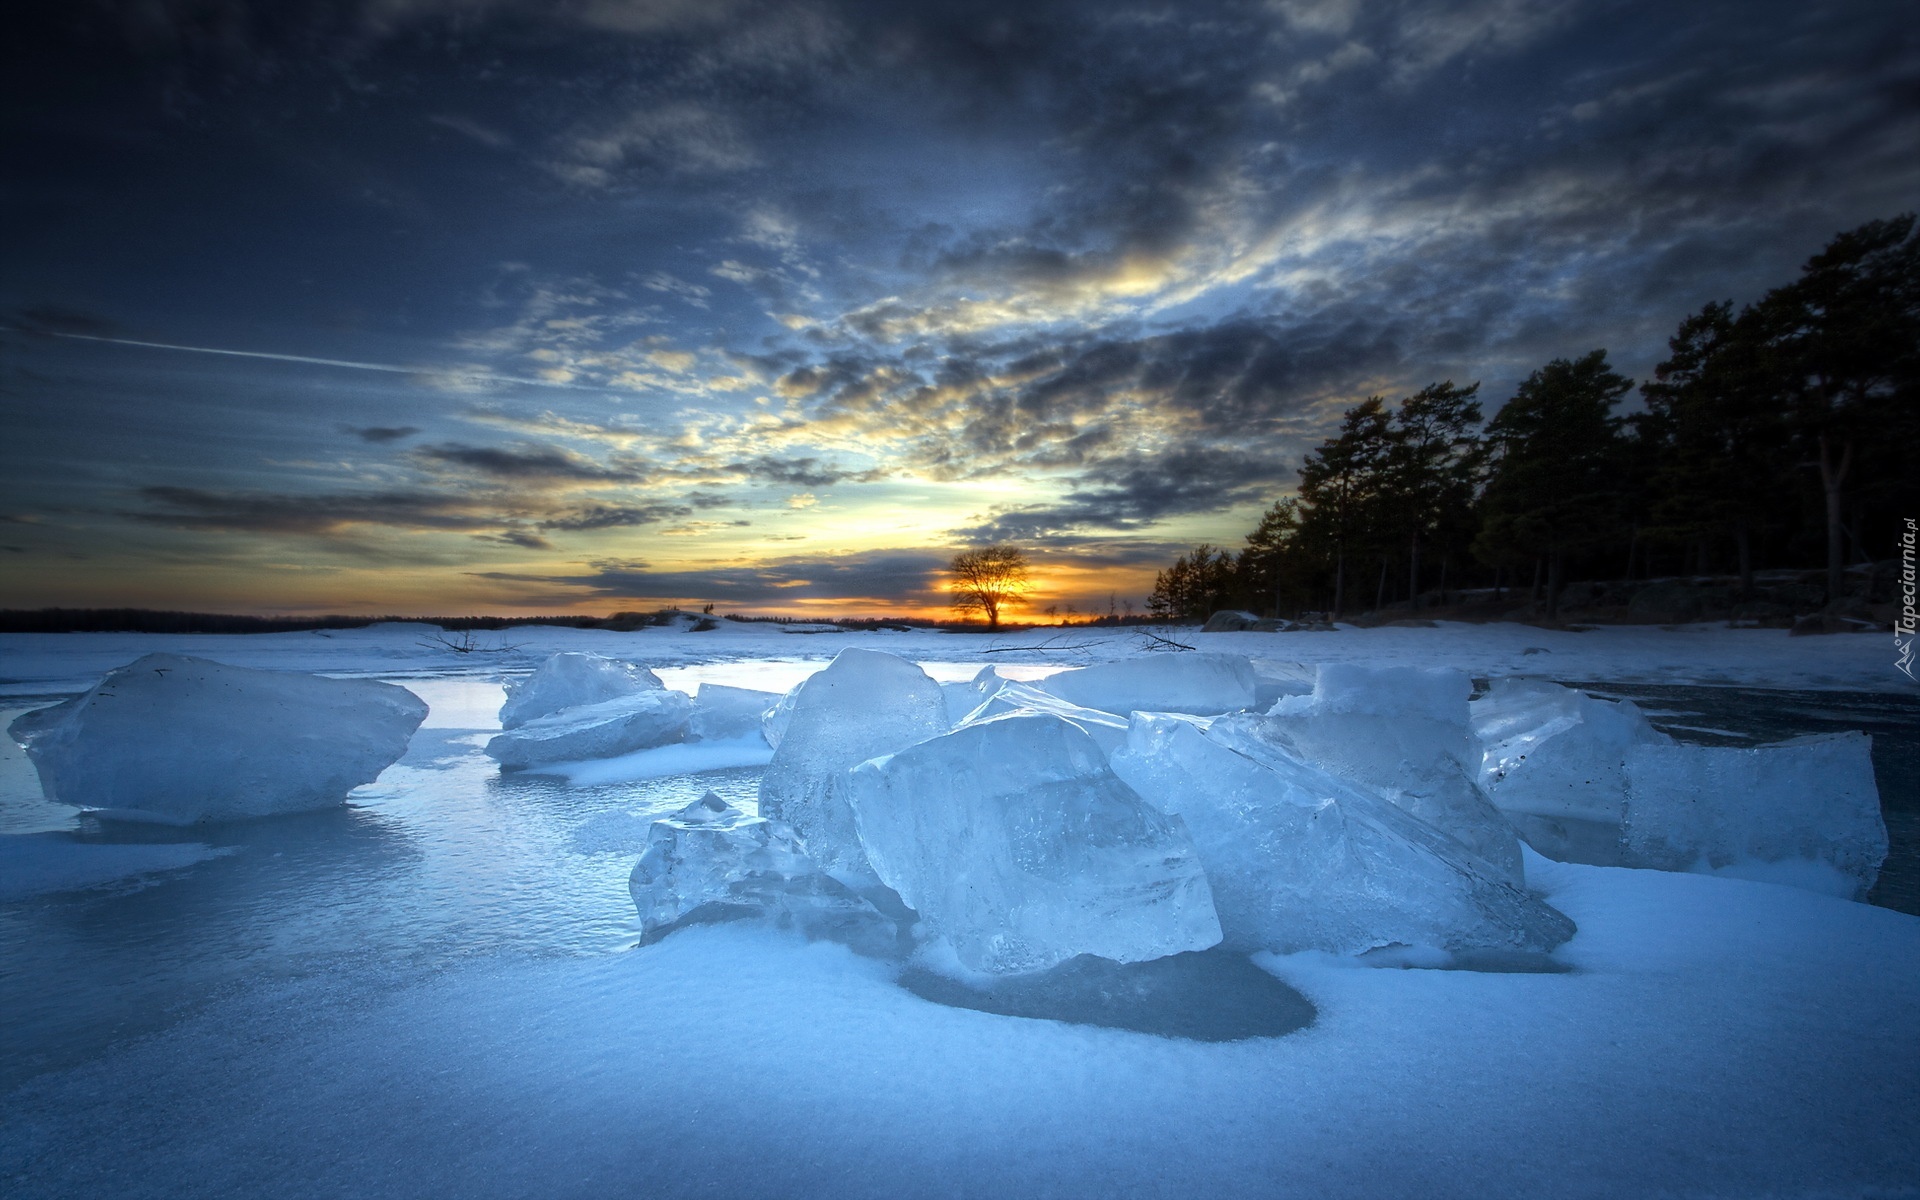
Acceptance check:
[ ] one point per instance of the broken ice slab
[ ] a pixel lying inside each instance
(1428, 693)
(1016, 844)
(965, 697)
(1404, 733)
(571, 679)
(1106, 729)
(177, 740)
(608, 729)
(721, 712)
(1805, 811)
(865, 703)
(1274, 680)
(1202, 684)
(1301, 860)
(773, 725)
(1553, 760)
(710, 862)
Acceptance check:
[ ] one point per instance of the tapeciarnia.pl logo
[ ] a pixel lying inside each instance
(1903, 626)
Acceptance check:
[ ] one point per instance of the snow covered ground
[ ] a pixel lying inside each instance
(437, 990)
(1702, 654)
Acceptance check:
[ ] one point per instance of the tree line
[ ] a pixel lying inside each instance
(1778, 435)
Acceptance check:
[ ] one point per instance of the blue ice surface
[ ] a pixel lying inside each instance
(435, 992)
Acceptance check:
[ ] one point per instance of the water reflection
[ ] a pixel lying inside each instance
(297, 893)
(441, 860)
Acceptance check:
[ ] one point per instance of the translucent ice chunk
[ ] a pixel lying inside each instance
(571, 679)
(1301, 860)
(1433, 694)
(721, 712)
(710, 861)
(1275, 680)
(865, 703)
(964, 698)
(773, 726)
(587, 731)
(1106, 729)
(1811, 800)
(1203, 684)
(1016, 844)
(1403, 732)
(1553, 759)
(177, 740)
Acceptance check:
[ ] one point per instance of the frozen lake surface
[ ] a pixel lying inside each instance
(437, 990)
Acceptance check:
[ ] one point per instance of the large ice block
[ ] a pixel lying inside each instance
(720, 711)
(711, 861)
(1403, 732)
(176, 739)
(571, 679)
(1553, 760)
(610, 728)
(1301, 860)
(864, 704)
(1203, 684)
(1014, 842)
(1106, 729)
(1807, 808)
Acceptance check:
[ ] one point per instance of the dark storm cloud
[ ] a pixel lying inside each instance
(1136, 492)
(269, 512)
(1149, 123)
(1237, 376)
(524, 538)
(527, 462)
(381, 434)
(800, 472)
(909, 575)
(615, 516)
(1239, 394)
(325, 514)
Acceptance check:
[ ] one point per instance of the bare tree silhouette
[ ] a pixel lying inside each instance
(986, 579)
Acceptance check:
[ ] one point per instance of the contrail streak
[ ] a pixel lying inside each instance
(388, 368)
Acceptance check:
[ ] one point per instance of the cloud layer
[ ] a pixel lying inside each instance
(527, 292)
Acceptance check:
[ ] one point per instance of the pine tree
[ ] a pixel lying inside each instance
(1718, 433)
(1554, 485)
(1431, 469)
(1341, 483)
(1195, 585)
(1270, 566)
(1847, 336)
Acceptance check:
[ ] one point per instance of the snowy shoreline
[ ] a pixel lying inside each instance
(442, 988)
(1701, 655)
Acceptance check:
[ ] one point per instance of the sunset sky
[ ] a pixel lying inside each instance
(446, 306)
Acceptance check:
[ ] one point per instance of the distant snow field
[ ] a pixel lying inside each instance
(1332, 960)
